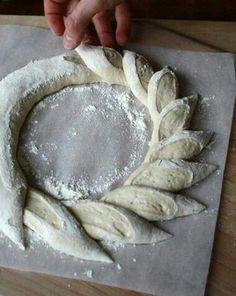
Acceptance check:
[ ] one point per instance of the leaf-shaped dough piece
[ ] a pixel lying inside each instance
(162, 89)
(153, 204)
(174, 117)
(104, 61)
(104, 221)
(170, 175)
(182, 145)
(146, 202)
(138, 72)
(56, 226)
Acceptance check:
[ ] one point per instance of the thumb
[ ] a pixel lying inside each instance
(77, 22)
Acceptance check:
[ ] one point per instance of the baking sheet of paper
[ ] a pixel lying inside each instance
(180, 265)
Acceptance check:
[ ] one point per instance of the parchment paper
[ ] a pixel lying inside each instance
(180, 265)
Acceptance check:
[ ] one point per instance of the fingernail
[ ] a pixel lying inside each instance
(68, 42)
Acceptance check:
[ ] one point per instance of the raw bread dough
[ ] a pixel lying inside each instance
(170, 175)
(162, 89)
(104, 221)
(153, 204)
(138, 72)
(174, 117)
(19, 91)
(55, 225)
(104, 61)
(182, 145)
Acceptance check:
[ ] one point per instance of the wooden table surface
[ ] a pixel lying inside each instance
(192, 35)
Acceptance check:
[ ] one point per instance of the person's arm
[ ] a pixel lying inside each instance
(71, 19)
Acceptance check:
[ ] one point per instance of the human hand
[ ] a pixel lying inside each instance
(71, 18)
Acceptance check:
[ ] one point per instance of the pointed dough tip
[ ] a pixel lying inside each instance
(210, 169)
(15, 236)
(188, 206)
(108, 259)
(101, 255)
(159, 235)
(21, 246)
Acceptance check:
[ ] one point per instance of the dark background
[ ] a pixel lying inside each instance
(221, 10)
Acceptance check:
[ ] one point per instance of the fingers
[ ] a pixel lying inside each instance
(77, 20)
(77, 23)
(54, 15)
(123, 19)
(103, 28)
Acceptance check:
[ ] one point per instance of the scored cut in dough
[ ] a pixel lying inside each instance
(174, 117)
(170, 175)
(56, 226)
(104, 221)
(19, 91)
(138, 72)
(153, 204)
(182, 145)
(105, 62)
(162, 89)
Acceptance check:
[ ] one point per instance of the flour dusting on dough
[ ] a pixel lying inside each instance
(88, 150)
(60, 190)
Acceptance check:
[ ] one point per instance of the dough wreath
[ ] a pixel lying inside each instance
(20, 90)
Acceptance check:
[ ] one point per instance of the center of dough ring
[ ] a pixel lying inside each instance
(83, 141)
(123, 214)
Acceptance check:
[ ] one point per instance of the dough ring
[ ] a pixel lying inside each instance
(120, 215)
